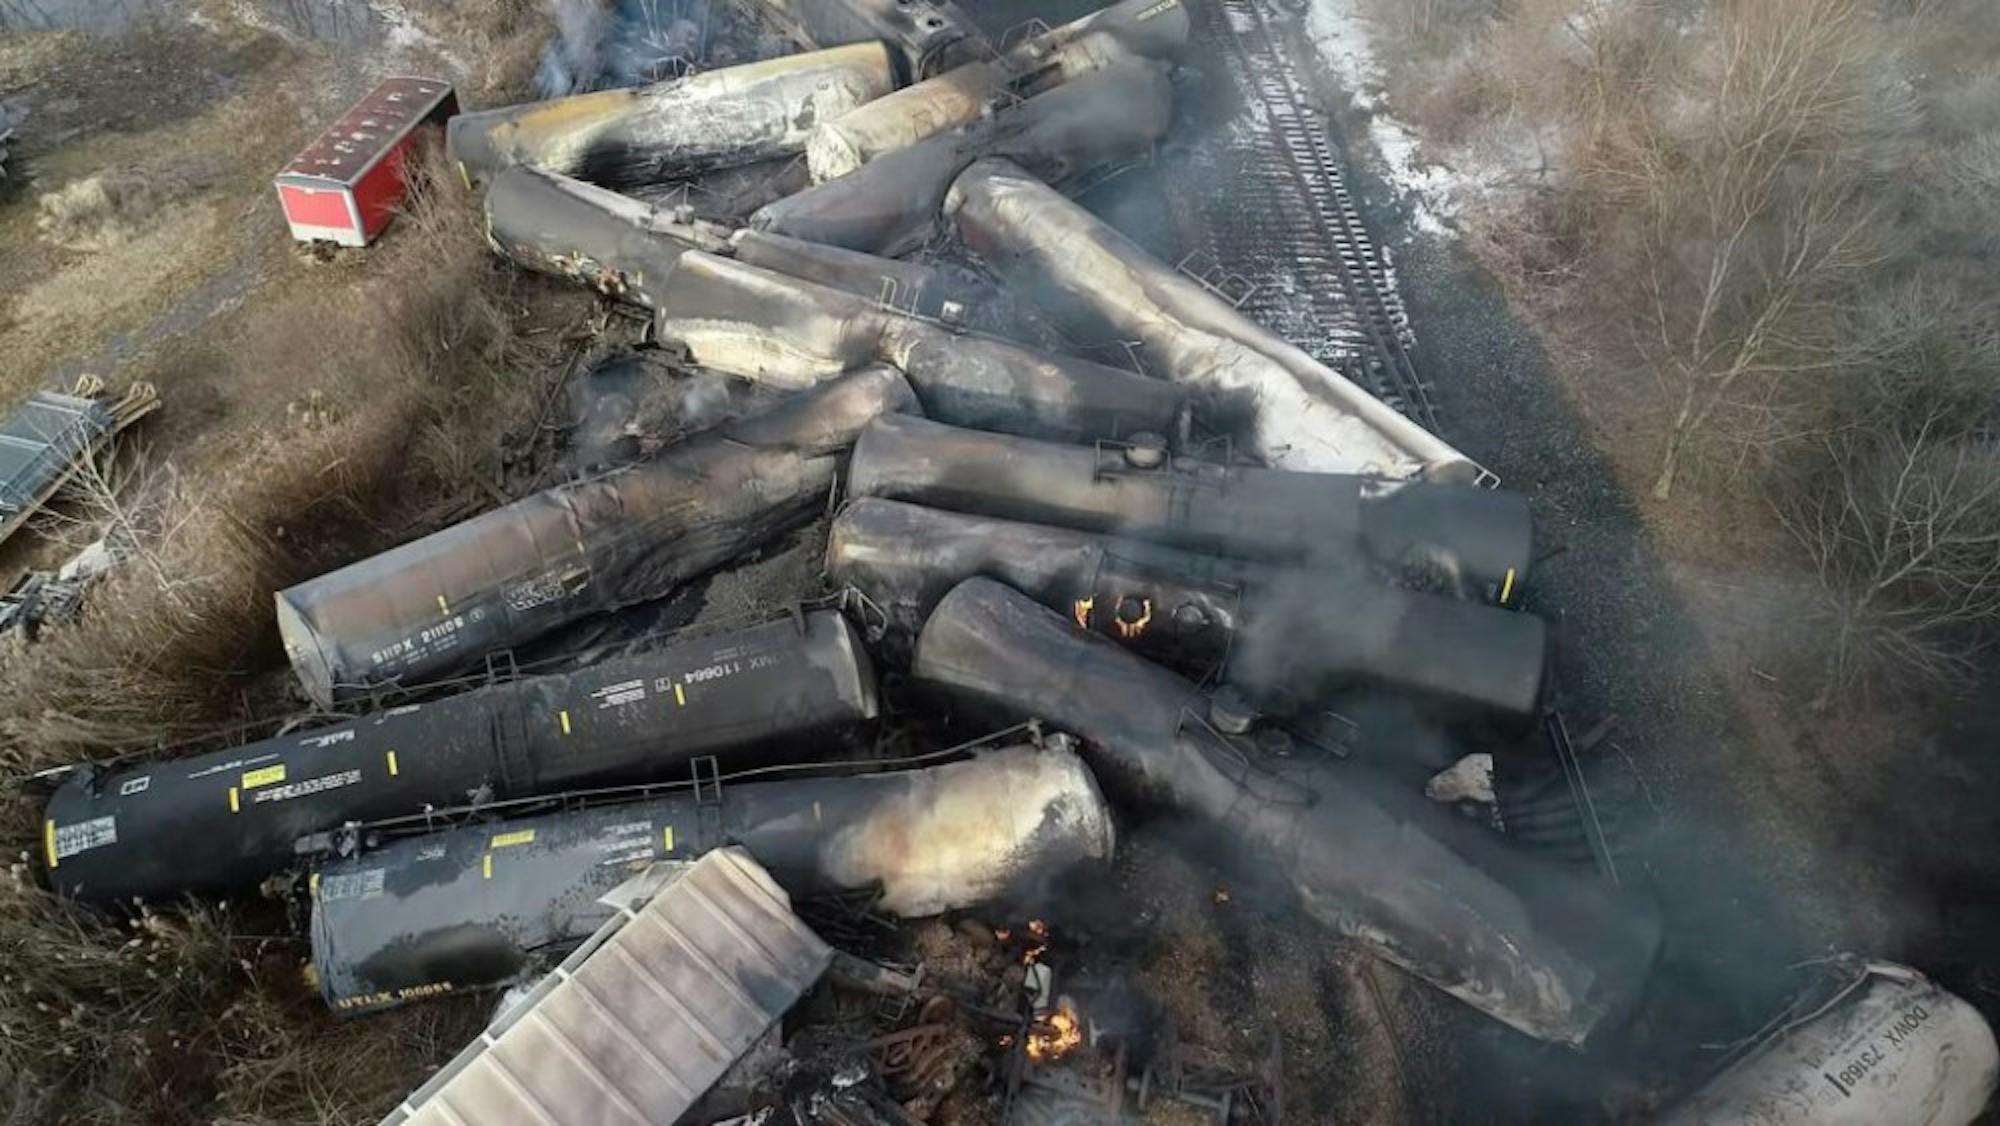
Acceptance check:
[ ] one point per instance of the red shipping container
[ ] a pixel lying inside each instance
(346, 184)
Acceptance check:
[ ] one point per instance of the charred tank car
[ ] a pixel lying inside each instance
(1478, 540)
(1282, 634)
(473, 906)
(437, 605)
(222, 821)
(734, 317)
(1525, 942)
(676, 128)
(928, 36)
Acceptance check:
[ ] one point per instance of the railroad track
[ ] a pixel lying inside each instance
(1291, 204)
(1288, 216)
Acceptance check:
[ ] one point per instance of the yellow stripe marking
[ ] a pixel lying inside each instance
(312, 885)
(1507, 586)
(234, 805)
(680, 697)
(564, 716)
(443, 607)
(392, 763)
(255, 778)
(49, 838)
(815, 813)
(519, 836)
(667, 838)
(487, 867)
(464, 177)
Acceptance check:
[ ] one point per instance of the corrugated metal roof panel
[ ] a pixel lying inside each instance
(636, 1025)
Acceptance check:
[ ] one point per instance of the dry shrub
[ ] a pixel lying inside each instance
(101, 210)
(195, 1020)
(1749, 226)
(505, 39)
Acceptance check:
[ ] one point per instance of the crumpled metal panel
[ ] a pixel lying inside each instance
(40, 441)
(642, 1020)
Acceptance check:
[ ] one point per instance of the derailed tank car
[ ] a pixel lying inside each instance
(438, 604)
(222, 821)
(736, 318)
(1126, 30)
(1308, 416)
(615, 244)
(1481, 539)
(1889, 1046)
(1525, 942)
(1283, 634)
(928, 35)
(472, 907)
(680, 127)
(892, 204)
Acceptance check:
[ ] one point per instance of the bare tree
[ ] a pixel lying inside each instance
(137, 507)
(1905, 535)
(1760, 230)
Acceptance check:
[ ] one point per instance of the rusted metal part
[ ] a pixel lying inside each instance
(1307, 416)
(1527, 943)
(441, 603)
(1480, 540)
(891, 204)
(739, 319)
(676, 128)
(928, 35)
(1130, 29)
(1290, 634)
(473, 907)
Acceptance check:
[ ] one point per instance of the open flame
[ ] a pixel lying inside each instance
(1054, 1036)
(1038, 941)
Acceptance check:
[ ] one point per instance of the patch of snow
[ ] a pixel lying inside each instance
(1434, 192)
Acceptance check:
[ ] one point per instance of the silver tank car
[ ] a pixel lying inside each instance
(220, 822)
(891, 205)
(735, 318)
(439, 604)
(1527, 943)
(1282, 634)
(893, 282)
(1480, 540)
(475, 906)
(676, 128)
(1889, 1046)
(1307, 416)
(1126, 30)
(928, 36)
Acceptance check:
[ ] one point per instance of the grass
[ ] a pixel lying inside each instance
(405, 375)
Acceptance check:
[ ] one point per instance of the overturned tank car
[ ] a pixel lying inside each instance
(928, 36)
(222, 821)
(473, 906)
(1887, 1045)
(676, 128)
(736, 318)
(1525, 942)
(892, 204)
(438, 604)
(617, 245)
(1279, 633)
(1480, 540)
(1126, 30)
(1307, 416)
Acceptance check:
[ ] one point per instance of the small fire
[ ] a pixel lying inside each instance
(1055, 1036)
(1002, 934)
(1081, 612)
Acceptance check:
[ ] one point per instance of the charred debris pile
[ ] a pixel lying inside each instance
(1062, 598)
